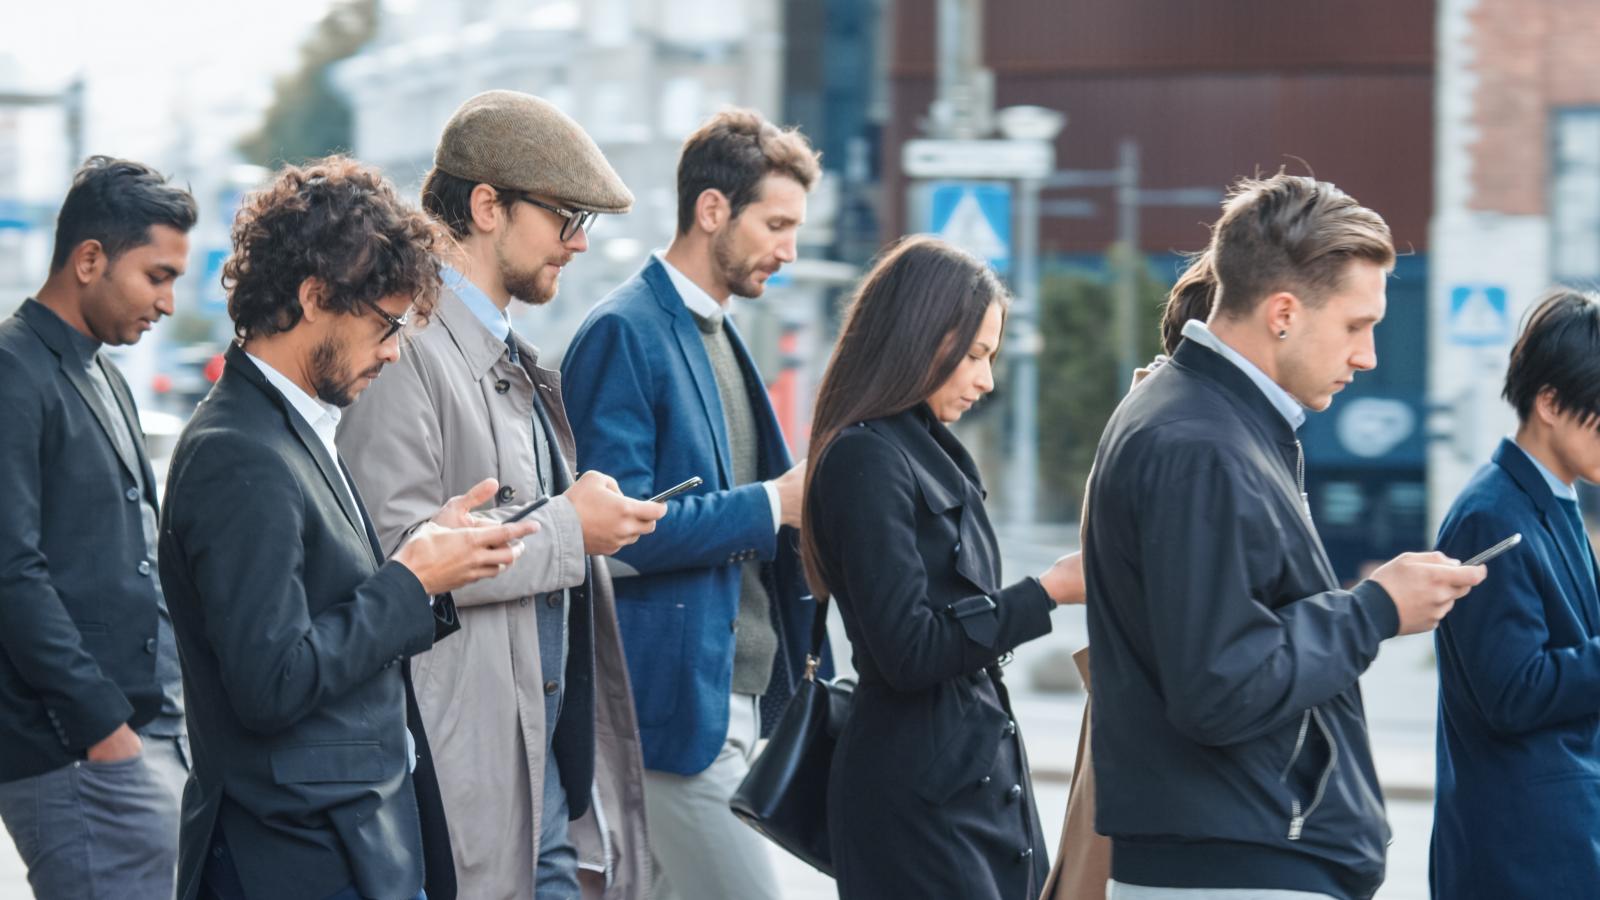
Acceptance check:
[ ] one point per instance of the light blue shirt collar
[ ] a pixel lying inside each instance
(1561, 489)
(493, 317)
(1290, 408)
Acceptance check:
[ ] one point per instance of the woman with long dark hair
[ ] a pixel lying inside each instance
(929, 794)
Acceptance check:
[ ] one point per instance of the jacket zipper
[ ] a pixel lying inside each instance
(1297, 816)
(1300, 476)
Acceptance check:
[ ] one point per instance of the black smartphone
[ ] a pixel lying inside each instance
(529, 510)
(677, 489)
(1494, 551)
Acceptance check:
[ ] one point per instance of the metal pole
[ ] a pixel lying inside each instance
(942, 114)
(1125, 315)
(1023, 347)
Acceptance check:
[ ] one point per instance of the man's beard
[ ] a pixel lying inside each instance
(330, 380)
(739, 279)
(524, 285)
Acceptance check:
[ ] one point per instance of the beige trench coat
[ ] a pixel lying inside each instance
(453, 411)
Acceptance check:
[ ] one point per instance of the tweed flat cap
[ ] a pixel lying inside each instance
(514, 140)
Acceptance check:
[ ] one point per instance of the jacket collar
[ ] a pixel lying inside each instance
(1516, 463)
(693, 348)
(1235, 383)
(478, 345)
(237, 364)
(1281, 400)
(943, 467)
(69, 346)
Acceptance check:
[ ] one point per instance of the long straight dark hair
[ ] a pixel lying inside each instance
(907, 327)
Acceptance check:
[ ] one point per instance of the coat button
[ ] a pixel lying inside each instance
(958, 548)
(144, 567)
(552, 599)
(550, 687)
(523, 602)
(1014, 793)
(150, 646)
(1026, 852)
(501, 386)
(1009, 730)
(984, 780)
(506, 493)
(132, 494)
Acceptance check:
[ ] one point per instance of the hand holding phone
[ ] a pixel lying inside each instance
(1494, 551)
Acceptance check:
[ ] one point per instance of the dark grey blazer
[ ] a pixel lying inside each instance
(77, 590)
(294, 636)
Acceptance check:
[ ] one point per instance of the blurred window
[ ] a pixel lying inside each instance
(1575, 196)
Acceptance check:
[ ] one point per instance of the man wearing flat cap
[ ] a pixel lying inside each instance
(529, 710)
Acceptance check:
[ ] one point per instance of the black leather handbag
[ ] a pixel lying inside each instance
(785, 796)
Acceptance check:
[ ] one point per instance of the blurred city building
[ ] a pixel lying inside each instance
(639, 75)
(1207, 93)
(1517, 175)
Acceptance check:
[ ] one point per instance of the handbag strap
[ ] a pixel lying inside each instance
(819, 633)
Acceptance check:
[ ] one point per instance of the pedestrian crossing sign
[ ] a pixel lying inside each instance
(975, 216)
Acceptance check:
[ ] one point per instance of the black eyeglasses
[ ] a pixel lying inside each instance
(576, 220)
(394, 324)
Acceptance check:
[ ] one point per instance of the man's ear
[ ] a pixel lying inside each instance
(712, 210)
(1284, 311)
(483, 208)
(1545, 408)
(88, 261)
(313, 294)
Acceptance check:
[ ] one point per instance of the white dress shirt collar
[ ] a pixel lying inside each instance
(699, 302)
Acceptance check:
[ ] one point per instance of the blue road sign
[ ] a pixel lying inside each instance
(975, 216)
(1479, 316)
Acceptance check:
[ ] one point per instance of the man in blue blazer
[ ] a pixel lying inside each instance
(1517, 805)
(660, 388)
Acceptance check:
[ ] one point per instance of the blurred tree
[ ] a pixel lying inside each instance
(1078, 386)
(308, 118)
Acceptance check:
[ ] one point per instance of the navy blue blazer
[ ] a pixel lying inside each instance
(1517, 802)
(644, 408)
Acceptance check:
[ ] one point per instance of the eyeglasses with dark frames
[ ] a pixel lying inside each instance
(575, 220)
(395, 324)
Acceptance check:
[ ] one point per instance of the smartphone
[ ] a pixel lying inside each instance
(530, 509)
(1494, 551)
(677, 489)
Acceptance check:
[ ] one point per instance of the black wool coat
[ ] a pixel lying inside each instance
(929, 794)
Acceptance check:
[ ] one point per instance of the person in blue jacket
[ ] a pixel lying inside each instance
(713, 609)
(1517, 804)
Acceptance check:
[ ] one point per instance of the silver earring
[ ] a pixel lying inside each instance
(1283, 335)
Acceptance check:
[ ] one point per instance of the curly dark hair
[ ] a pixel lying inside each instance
(336, 220)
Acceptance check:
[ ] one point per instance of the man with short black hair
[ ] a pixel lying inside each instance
(94, 755)
(1230, 745)
(1517, 799)
(660, 388)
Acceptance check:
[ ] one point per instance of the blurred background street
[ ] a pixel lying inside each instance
(1078, 145)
